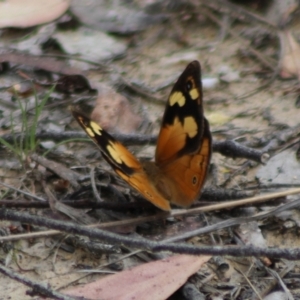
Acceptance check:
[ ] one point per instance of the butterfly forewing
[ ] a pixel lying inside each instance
(182, 123)
(113, 151)
(122, 161)
(142, 183)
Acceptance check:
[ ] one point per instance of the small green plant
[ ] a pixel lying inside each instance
(25, 142)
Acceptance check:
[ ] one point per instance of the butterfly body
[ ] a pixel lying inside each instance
(183, 148)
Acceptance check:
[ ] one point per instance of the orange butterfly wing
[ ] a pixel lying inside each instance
(122, 161)
(183, 121)
(188, 172)
(184, 143)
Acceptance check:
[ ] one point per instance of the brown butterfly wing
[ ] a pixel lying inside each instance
(182, 123)
(122, 161)
(188, 172)
(184, 143)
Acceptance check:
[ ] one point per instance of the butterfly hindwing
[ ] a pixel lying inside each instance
(122, 161)
(182, 123)
(188, 172)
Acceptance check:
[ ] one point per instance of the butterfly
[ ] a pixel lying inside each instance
(183, 149)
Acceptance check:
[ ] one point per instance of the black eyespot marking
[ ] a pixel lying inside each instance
(195, 180)
(189, 85)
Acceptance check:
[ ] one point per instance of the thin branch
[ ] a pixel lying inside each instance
(128, 139)
(59, 169)
(43, 201)
(94, 187)
(208, 196)
(37, 288)
(84, 203)
(181, 248)
(174, 213)
(228, 147)
(233, 149)
(236, 221)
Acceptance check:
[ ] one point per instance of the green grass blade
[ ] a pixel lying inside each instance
(38, 110)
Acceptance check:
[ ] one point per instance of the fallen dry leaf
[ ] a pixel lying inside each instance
(154, 280)
(114, 112)
(114, 16)
(20, 13)
(50, 64)
(90, 44)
